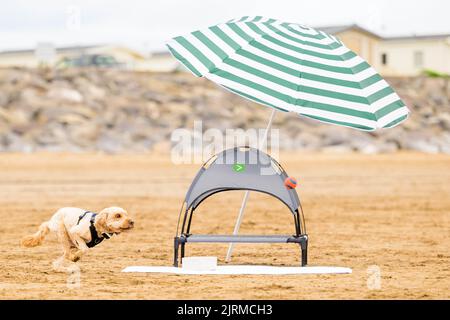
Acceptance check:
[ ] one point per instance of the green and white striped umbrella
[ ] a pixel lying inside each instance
(291, 67)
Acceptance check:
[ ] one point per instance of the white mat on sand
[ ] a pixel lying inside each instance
(241, 269)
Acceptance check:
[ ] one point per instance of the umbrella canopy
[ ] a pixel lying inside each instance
(291, 67)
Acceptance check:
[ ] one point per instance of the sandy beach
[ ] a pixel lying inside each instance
(391, 211)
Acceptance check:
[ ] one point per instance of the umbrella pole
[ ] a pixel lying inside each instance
(247, 193)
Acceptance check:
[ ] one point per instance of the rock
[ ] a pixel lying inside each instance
(15, 143)
(3, 99)
(336, 136)
(29, 96)
(15, 117)
(94, 92)
(122, 111)
(53, 134)
(152, 110)
(445, 143)
(153, 96)
(386, 147)
(307, 141)
(84, 136)
(444, 120)
(364, 143)
(422, 145)
(64, 94)
(109, 142)
(369, 148)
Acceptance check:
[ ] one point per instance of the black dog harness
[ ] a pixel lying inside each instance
(95, 239)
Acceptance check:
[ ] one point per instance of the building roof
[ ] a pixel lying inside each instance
(420, 37)
(338, 29)
(160, 54)
(342, 28)
(62, 49)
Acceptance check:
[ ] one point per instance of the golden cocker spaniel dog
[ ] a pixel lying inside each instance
(78, 230)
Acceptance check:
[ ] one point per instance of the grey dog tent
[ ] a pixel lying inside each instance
(240, 168)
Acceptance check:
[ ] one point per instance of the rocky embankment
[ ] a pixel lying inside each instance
(116, 111)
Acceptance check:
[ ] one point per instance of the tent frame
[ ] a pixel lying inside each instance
(300, 237)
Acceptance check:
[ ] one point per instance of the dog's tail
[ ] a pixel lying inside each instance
(37, 238)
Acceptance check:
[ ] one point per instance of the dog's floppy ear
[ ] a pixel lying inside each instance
(101, 220)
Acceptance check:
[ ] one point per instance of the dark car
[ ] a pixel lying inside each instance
(90, 60)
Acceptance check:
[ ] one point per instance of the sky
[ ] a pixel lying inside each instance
(146, 25)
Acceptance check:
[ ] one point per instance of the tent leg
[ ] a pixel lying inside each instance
(182, 250)
(304, 250)
(247, 193)
(176, 244)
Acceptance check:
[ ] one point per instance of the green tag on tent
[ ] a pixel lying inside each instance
(239, 167)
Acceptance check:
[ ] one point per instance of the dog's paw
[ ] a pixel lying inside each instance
(76, 256)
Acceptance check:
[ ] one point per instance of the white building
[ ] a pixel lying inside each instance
(409, 56)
